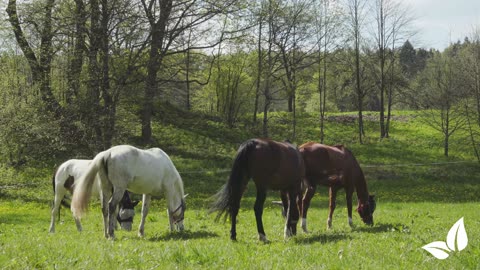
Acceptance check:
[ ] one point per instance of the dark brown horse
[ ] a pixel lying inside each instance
(335, 167)
(272, 166)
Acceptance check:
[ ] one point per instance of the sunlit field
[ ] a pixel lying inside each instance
(420, 195)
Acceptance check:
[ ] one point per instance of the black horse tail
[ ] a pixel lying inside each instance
(228, 198)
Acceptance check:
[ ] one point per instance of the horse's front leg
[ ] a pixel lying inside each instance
(349, 194)
(112, 210)
(258, 208)
(145, 205)
(292, 214)
(307, 197)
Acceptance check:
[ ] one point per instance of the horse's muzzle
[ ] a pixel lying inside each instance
(126, 225)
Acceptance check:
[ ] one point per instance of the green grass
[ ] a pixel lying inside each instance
(416, 205)
(393, 243)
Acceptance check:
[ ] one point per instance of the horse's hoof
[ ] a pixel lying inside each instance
(329, 224)
(263, 238)
(288, 233)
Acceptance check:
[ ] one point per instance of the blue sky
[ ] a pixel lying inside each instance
(440, 22)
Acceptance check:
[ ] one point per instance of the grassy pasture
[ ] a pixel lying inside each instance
(417, 203)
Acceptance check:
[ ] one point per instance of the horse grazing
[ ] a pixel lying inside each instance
(63, 181)
(124, 167)
(335, 167)
(272, 165)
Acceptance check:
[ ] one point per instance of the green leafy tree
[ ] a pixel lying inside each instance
(439, 96)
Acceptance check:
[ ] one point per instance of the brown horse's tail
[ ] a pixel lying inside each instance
(83, 187)
(228, 198)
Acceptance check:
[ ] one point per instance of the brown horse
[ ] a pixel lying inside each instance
(272, 166)
(335, 167)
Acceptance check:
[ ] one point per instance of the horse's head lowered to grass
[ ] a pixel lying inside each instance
(365, 210)
(337, 168)
(126, 212)
(177, 216)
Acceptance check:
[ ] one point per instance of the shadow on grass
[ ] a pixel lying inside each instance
(320, 238)
(185, 235)
(384, 227)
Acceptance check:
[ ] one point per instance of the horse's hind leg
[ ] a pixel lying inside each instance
(145, 205)
(105, 193)
(332, 192)
(292, 214)
(112, 210)
(59, 194)
(258, 208)
(284, 197)
(78, 224)
(236, 197)
(307, 197)
(233, 217)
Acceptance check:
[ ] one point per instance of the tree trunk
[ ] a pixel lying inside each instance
(268, 79)
(187, 78)
(41, 67)
(95, 76)
(259, 72)
(150, 89)
(290, 102)
(109, 106)
(75, 68)
(445, 145)
(389, 102)
(358, 88)
(158, 31)
(446, 130)
(382, 96)
(382, 59)
(321, 94)
(359, 92)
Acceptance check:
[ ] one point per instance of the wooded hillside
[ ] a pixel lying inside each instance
(80, 76)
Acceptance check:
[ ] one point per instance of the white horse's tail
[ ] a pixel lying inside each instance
(82, 190)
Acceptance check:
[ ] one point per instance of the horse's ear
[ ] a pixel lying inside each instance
(135, 203)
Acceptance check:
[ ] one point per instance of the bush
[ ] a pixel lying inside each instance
(28, 134)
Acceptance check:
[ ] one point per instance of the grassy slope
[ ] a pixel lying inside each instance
(416, 205)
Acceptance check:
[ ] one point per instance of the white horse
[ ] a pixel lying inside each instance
(63, 181)
(148, 172)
